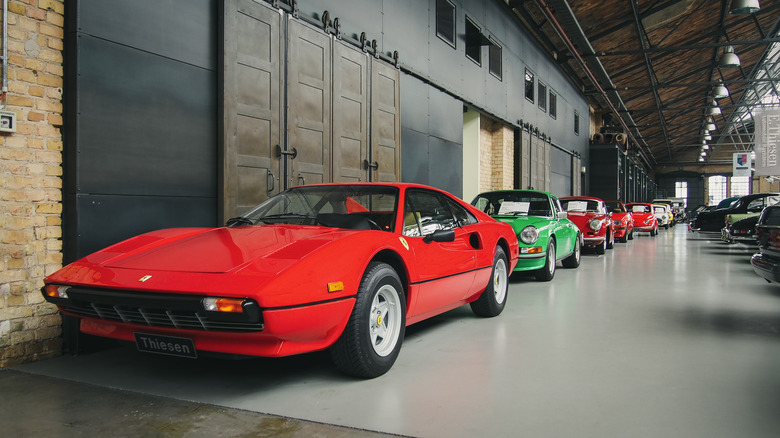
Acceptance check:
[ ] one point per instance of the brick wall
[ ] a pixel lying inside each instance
(31, 182)
(496, 146)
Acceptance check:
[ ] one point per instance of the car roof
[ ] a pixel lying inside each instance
(541, 192)
(589, 198)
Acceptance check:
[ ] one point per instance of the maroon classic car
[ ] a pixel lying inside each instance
(593, 219)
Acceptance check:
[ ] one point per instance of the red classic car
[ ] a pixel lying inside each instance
(344, 267)
(622, 221)
(593, 219)
(644, 218)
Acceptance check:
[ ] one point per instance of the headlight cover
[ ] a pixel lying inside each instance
(529, 235)
(595, 224)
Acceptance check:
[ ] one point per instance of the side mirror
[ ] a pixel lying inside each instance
(563, 215)
(440, 236)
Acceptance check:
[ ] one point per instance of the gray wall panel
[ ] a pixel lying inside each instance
(414, 155)
(111, 218)
(146, 125)
(445, 116)
(444, 157)
(141, 23)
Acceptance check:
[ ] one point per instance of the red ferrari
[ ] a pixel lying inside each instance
(644, 218)
(593, 219)
(344, 267)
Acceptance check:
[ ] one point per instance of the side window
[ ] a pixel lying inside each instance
(431, 212)
(556, 206)
(756, 205)
(463, 216)
(411, 221)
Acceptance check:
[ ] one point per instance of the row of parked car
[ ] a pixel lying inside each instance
(552, 229)
(753, 220)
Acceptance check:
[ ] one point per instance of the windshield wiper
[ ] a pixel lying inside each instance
(238, 221)
(283, 216)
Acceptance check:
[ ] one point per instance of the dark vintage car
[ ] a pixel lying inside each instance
(715, 220)
(742, 231)
(766, 263)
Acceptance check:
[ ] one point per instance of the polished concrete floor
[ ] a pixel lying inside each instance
(667, 336)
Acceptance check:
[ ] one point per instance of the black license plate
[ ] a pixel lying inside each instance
(182, 347)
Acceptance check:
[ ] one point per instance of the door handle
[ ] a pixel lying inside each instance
(292, 153)
(367, 165)
(270, 182)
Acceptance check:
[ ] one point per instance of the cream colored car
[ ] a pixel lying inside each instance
(663, 214)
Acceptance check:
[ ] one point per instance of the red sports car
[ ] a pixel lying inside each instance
(593, 219)
(622, 221)
(344, 267)
(644, 218)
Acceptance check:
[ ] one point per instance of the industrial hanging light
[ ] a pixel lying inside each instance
(706, 137)
(713, 108)
(728, 59)
(742, 7)
(720, 91)
(710, 126)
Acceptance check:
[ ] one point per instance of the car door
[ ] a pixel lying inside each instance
(565, 230)
(443, 271)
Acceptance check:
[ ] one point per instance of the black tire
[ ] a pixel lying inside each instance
(610, 240)
(372, 339)
(548, 271)
(573, 260)
(631, 235)
(623, 239)
(602, 249)
(493, 299)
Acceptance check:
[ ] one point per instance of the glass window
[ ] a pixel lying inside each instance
(495, 63)
(553, 105)
(445, 21)
(740, 185)
(529, 85)
(542, 97)
(463, 216)
(576, 123)
(717, 189)
(681, 189)
(473, 42)
(430, 211)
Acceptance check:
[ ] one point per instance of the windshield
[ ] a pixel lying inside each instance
(580, 205)
(615, 207)
(341, 206)
(514, 204)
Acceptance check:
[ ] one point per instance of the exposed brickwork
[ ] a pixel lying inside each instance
(496, 146)
(31, 182)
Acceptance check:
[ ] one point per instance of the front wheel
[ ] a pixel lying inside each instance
(573, 260)
(602, 248)
(493, 299)
(610, 240)
(631, 235)
(372, 339)
(548, 271)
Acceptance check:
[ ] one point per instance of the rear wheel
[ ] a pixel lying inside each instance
(493, 299)
(573, 260)
(631, 235)
(548, 271)
(372, 339)
(610, 240)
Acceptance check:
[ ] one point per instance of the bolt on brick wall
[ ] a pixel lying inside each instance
(31, 182)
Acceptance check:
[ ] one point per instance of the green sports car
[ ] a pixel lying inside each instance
(543, 231)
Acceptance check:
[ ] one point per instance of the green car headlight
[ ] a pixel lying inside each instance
(529, 235)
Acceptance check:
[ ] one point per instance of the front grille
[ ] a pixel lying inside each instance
(159, 310)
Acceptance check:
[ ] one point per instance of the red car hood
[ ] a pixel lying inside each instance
(214, 250)
(581, 218)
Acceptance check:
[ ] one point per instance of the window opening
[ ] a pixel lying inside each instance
(529, 85)
(553, 105)
(495, 62)
(445, 21)
(473, 42)
(542, 97)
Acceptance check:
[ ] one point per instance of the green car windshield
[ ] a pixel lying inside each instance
(514, 204)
